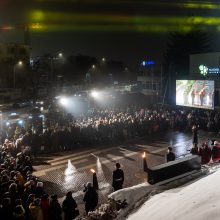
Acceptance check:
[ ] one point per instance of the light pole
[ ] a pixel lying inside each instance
(19, 63)
(53, 63)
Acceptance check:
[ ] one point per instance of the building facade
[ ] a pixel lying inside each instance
(13, 76)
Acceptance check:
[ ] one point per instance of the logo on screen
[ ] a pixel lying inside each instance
(203, 70)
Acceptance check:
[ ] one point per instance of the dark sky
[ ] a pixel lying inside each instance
(127, 30)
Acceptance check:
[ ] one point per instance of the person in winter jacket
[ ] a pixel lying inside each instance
(45, 206)
(118, 177)
(90, 198)
(55, 210)
(69, 207)
(35, 211)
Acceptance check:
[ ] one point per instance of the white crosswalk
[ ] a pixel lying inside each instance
(84, 157)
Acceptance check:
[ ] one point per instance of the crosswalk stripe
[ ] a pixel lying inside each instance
(43, 171)
(73, 156)
(64, 163)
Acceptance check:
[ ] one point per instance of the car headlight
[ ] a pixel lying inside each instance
(20, 122)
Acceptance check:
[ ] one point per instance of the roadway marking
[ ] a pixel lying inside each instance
(43, 172)
(106, 161)
(88, 153)
(67, 156)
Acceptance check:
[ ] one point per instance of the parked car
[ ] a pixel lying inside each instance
(14, 118)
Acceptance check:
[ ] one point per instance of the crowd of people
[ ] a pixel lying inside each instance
(104, 126)
(208, 151)
(22, 195)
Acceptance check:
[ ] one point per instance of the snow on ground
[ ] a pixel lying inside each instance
(197, 201)
(134, 196)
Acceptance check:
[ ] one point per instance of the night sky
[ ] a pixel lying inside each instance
(127, 30)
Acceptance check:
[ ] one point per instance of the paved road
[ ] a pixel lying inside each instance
(66, 171)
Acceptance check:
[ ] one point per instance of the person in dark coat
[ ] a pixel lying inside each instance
(170, 156)
(90, 198)
(69, 207)
(194, 150)
(45, 206)
(195, 135)
(6, 210)
(118, 177)
(55, 210)
(39, 190)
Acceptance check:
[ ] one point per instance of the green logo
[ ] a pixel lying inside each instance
(203, 70)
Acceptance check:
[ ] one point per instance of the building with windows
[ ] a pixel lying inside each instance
(12, 52)
(14, 59)
(149, 80)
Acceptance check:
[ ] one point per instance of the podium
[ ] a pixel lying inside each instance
(173, 169)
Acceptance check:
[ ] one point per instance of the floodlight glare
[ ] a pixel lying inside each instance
(95, 94)
(63, 101)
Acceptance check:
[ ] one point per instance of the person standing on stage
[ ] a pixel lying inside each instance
(118, 177)
(195, 135)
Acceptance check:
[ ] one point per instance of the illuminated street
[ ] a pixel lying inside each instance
(66, 171)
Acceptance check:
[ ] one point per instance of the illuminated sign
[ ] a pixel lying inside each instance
(148, 63)
(204, 70)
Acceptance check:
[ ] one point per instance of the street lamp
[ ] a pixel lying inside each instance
(60, 55)
(19, 63)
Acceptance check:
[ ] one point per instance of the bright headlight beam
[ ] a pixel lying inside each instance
(63, 101)
(95, 94)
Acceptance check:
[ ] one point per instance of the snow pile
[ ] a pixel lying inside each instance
(134, 196)
(198, 201)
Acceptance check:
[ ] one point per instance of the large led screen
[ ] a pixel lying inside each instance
(195, 93)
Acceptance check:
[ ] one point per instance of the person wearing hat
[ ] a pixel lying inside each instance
(117, 177)
(170, 156)
(69, 207)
